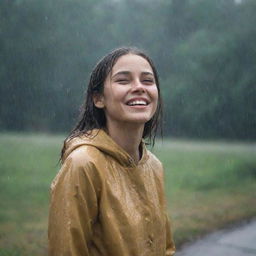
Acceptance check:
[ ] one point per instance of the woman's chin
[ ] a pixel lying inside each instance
(138, 119)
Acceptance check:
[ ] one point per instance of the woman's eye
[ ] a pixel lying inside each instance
(122, 81)
(148, 81)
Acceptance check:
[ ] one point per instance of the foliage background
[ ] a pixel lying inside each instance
(205, 51)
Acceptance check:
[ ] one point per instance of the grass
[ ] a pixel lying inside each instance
(208, 185)
(27, 164)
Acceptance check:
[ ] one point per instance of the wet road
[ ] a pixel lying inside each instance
(238, 241)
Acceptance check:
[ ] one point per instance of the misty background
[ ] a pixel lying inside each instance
(205, 52)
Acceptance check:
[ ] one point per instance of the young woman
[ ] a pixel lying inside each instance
(108, 197)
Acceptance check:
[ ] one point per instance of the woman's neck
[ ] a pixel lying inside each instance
(128, 137)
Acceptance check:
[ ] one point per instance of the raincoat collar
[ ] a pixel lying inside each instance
(102, 141)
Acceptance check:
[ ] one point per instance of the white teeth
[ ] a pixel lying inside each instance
(137, 102)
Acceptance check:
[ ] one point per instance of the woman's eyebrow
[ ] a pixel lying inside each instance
(121, 73)
(128, 73)
(147, 73)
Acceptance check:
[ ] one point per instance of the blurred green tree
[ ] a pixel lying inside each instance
(204, 49)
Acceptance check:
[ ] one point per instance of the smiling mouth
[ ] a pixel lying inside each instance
(137, 103)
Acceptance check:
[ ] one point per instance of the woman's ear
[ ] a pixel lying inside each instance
(98, 100)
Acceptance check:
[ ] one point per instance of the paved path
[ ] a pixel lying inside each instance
(238, 241)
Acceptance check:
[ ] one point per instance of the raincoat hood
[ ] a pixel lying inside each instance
(100, 139)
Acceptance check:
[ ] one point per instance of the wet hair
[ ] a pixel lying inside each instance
(92, 117)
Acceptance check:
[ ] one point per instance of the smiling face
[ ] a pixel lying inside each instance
(130, 93)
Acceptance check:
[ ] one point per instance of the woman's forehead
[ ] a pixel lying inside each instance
(131, 63)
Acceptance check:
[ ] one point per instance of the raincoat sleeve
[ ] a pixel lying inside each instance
(73, 209)
(170, 247)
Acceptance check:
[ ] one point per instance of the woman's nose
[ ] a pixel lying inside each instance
(138, 86)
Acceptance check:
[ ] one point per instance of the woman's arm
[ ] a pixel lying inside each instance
(73, 210)
(170, 247)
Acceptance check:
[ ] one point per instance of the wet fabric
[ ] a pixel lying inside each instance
(103, 204)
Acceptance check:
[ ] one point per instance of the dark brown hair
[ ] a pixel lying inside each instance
(92, 117)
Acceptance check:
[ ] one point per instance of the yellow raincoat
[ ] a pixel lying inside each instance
(103, 204)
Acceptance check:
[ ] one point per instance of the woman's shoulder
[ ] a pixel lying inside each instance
(84, 155)
(80, 164)
(154, 160)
